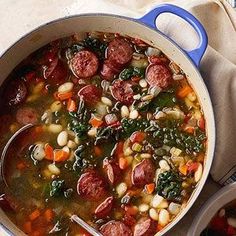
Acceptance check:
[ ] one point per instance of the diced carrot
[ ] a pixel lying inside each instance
(97, 151)
(183, 92)
(21, 165)
(137, 136)
(27, 227)
(192, 167)
(95, 122)
(131, 210)
(189, 129)
(159, 227)
(34, 215)
(60, 155)
(71, 105)
(135, 78)
(150, 188)
(183, 169)
(48, 215)
(48, 152)
(63, 96)
(123, 163)
(201, 123)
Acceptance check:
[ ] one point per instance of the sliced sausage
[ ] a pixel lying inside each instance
(104, 208)
(56, 72)
(107, 72)
(15, 92)
(112, 170)
(84, 64)
(119, 51)
(115, 228)
(129, 220)
(145, 227)
(90, 94)
(91, 186)
(27, 115)
(158, 75)
(122, 91)
(143, 173)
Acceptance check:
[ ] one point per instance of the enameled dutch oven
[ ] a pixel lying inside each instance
(143, 28)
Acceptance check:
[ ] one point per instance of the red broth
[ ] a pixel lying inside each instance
(119, 138)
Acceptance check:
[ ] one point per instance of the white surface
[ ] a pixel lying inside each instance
(20, 16)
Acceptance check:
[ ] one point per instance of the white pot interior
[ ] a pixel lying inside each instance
(107, 23)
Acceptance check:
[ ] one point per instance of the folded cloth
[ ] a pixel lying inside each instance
(217, 68)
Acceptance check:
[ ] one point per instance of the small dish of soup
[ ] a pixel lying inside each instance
(119, 137)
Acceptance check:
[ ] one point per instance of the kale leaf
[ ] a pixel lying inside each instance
(128, 73)
(56, 187)
(169, 185)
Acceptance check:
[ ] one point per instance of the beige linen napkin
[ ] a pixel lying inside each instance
(217, 67)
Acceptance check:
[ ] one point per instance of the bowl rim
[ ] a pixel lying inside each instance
(209, 209)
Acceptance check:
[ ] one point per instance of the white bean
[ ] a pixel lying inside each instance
(66, 149)
(153, 214)
(159, 115)
(198, 173)
(92, 132)
(164, 217)
(121, 189)
(178, 77)
(143, 83)
(174, 208)
(159, 202)
(56, 106)
(164, 165)
(106, 101)
(175, 151)
(71, 144)
(133, 114)
(145, 155)
(232, 221)
(155, 90)
(147, 97)
(143, 207)
(54, 169)
(55, 128)
(124, 111)
(66, 87)
(62, 138)
(38, 152)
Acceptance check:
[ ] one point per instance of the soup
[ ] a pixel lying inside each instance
(223, 223)
(119, 137)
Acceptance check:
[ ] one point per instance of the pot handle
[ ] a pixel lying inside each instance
(150, 20)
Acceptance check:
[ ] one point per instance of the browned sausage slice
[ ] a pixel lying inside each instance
(90, 94)
(27, 115)
(109, 71)
(158, 75)
(91, 186)
(84, 64)
(104, 208)
(122, 91)
(113, 171)
(145, 227)
(143, 173)
(15, 92)
(115, 228)
(119, 51)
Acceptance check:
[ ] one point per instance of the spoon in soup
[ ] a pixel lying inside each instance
(22, 130)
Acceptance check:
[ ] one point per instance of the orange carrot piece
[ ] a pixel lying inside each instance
(150, 188)
(95, 122)
(71, 105)
(183, 92)
(60, 155)
(189, 129)
(183, 169)
(27, 227)
(34, 215)
(123, 164)
(64, 96)
(48, 215)
(159, 227)
(21, 165)
(48, 152)
(97, 151)
(131, 210)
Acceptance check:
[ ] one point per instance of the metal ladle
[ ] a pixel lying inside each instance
(10, 142)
